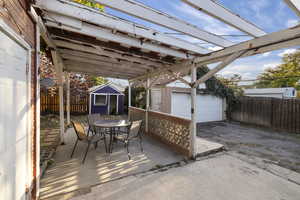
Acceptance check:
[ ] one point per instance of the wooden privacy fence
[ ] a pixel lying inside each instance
(279, 114)
(78, 104)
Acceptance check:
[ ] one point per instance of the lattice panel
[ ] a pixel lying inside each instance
(172, 130)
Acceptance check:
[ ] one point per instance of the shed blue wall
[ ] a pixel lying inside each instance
(104, 109)
(121, 104)
(98, 109)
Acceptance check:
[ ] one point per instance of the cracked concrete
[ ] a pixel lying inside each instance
(219, 177)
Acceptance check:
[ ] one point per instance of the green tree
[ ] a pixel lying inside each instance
(286, 74)
(91, 4)
(233, 83)
(98, 80)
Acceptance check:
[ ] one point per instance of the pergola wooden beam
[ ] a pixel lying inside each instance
(142, 11)
(97, 70)
(100, 59)
(103, 66)
(75, 10)
(73, 25)
(83, 47)
(277, 40)
(274, 41)
(294, 5)
(216, 10)
(219, 67)
(101, 63)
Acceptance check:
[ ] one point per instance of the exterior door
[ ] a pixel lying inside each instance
(14, 125)
(155, 99)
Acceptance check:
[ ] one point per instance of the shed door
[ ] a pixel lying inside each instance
(155, 99)
(14, 109)
(209, 108)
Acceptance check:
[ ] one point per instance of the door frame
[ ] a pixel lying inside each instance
(20, 41)
(117, 103)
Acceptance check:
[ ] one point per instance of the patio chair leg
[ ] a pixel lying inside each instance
(105, 144)
(74, 148)
(142, 150)
(87, 149)
(96, 145)
(127, 147)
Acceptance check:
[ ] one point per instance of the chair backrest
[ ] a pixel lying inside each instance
(79, 130)
(92, 118)
(135, 128)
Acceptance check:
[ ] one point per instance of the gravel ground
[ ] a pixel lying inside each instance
(279, 148)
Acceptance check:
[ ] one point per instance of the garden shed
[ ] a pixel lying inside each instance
(106, 99)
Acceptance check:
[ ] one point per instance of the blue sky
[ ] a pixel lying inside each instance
(269, 15)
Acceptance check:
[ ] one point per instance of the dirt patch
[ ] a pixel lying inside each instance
(278, 147)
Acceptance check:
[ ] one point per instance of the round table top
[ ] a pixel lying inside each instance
(111, 123)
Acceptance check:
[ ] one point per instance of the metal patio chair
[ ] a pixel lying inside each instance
(133, 132)
(91, 119)
(83, 137)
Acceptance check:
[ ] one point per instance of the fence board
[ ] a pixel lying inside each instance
(78, 104)
(280, 114)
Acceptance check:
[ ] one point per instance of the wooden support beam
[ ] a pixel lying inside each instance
(147, 105)
(177, 77)
(277, 40)
(217, 11)
(82, 13)
(274, 41)
(97, 70)
(194, 111)
(59, 73)
(67, 78)
(96, 50)
(122, 69)
(78, 56)
(219, 67)
(142, 11)
(83, 28)
(294, 5)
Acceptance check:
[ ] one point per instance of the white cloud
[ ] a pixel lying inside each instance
(270, 65)
(287, 51)
(292, 23)
(266, 54)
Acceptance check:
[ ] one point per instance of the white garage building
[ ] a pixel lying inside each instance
(175, 99)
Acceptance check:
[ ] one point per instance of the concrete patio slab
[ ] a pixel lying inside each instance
(205, 147)
(222, 177)
(70, 175)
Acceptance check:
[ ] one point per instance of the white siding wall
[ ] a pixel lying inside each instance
(14, 125)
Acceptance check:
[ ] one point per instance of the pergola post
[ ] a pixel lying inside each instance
(193, 128)
(147, 105)
(59, 74)
(67, 76)
(129, 98)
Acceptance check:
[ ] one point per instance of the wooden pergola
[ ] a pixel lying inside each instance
(85, 40)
